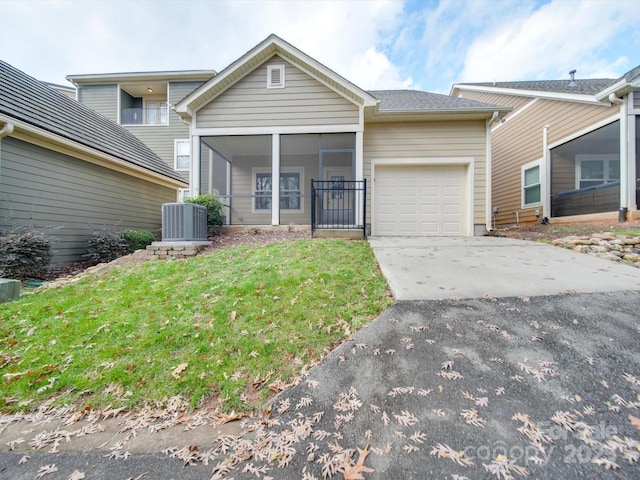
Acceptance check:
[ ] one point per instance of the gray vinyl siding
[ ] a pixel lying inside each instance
(68, 197)
(520, 141)
(430, 140)
(101, 98)
(303, 101)
(242, 184)
(160, 138)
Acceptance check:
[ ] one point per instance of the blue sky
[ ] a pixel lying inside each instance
(425, 45)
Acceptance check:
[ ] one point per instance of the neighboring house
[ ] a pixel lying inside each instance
(64, 89)
(275, 119)
(143, 104)
(64, 165)
(568, 150)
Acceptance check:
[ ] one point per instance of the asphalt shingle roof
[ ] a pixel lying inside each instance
(408, 100)
(584, 86)
(24, 98)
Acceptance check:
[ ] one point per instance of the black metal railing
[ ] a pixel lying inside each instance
(335, 205)
(144, 116)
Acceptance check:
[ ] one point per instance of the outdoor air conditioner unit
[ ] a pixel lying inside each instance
(184, 222)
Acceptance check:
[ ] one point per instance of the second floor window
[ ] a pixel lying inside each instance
(183, 155)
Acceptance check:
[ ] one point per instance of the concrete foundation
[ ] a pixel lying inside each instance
(175, 250)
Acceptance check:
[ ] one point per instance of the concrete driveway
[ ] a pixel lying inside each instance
(430, 268)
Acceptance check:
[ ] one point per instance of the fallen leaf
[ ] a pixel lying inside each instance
(76, 475)
(635, 421)
(354, 472)
(179, 369)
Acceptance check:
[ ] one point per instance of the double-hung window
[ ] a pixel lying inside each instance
(290, 190)
(597, 171)
(531, 184)
(182, 152)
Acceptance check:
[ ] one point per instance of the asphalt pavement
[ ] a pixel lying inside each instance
(535, 385)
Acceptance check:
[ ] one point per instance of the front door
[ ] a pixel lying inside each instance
(338, 201)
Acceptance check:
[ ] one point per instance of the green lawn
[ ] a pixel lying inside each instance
(227, 324)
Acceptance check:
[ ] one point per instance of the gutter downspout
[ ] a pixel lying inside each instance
(7, 129)
(624, 160)
(546, 173)
(488, 224)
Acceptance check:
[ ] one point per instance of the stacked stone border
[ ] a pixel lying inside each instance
(175, 250)
(607, 245)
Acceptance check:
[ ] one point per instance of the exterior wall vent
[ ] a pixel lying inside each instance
(184, 222)
(275, 76)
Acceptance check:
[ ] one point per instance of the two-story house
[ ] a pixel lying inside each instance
(142, 102)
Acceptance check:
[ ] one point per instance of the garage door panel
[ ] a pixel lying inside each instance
(420, 200)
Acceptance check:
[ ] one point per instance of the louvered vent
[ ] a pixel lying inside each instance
(636, 100)
(275, 76)
(184, 222)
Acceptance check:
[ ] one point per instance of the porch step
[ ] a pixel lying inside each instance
(338, 233)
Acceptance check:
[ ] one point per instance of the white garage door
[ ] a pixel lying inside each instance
(420, 200)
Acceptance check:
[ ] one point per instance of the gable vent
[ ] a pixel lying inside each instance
(275, 76)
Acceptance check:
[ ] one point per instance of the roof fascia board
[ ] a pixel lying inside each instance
(567, 97)
(255, 57)
(621, 88)
(99, 78)
(38, 136)
(474, 114)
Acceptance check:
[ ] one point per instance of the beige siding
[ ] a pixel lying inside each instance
(429, 140)
(160, 138)
(513, 101)
(101, 98)
(69, 197)
(520, 141)
(242, 184)
(303, 101)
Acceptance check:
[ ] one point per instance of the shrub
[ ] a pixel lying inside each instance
(105, 245)
(215, 218)
(24, 254)
(137, 239)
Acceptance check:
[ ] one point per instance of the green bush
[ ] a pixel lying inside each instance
(137, 239)
(105, 245)
(215, 218)
(24, 254)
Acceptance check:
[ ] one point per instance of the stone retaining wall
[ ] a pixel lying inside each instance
(171, 250)
(606, 245)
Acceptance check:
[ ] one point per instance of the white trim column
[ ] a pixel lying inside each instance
(359, 172)
(631, 156)
(275, 179)
(545, 174)
(194, 174)
(625, 170)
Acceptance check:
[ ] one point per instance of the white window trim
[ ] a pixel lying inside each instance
(182, 194)
(270, 69)
(581, 157)
(523, 169)
(175, 154)
(298, 170)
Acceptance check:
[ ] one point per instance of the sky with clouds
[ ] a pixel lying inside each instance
(417, 44)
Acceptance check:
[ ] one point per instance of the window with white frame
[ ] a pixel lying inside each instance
(531, 184)
(182, 152)
(290, 189)
(183, 193)
(597, 170)
(275, 76)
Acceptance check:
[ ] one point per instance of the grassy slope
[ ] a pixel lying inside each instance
(226, 324)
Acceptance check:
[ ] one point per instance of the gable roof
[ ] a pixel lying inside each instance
(38, 109)
(415, 100)
(272, 45)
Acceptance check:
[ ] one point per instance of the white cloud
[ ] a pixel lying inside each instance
(558, 37)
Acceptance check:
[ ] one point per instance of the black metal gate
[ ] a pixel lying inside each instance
(335, 204)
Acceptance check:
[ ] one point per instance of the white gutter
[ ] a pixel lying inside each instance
(624, 157)
(7, 129)
(489, 210)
